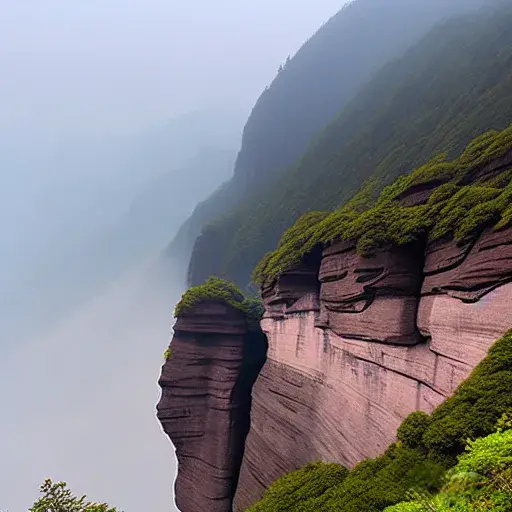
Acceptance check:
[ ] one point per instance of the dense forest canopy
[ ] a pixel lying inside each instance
(323, 76)
(450, 87)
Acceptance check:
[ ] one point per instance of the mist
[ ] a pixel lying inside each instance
(118, 117)
(81, 401)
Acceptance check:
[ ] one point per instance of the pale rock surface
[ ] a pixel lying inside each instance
(384, 337)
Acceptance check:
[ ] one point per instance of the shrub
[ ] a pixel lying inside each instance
(488, 455)
(481, 480)
(299, 489)
(411, 431)
(58, 498)
(377, 483)
(217, 289)
(476, 406)
(407, 507)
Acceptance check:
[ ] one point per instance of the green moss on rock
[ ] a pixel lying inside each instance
(216, 289)
(455, 209)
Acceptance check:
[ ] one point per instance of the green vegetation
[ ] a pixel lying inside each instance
(299, 490)
(217, 289)
(476, 407)
(427, 448)
(167, 354)
(312, 87)
(454, 209)
(481, 481)
(411, 431)
(452, 86)
(56, 497)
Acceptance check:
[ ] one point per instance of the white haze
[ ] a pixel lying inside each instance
(95, 98)
(82, 398)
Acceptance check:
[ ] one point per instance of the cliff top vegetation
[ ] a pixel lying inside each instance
(216, 289)
(457, 207)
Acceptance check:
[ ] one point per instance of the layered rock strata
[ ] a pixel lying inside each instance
(376, 339)
(206, 399)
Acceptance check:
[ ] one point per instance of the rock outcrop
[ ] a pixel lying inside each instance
(374, 340)
(206, 400)
(355, 343)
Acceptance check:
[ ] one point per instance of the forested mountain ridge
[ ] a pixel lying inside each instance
(310, 89)
(451, 86)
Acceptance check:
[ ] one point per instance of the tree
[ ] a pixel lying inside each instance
(58, 498)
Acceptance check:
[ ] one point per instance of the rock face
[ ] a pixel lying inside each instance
(356, 290)
(206, 400)
(374, 340)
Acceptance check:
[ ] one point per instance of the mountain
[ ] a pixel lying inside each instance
(452, 85)
(320, 80)
(383, 259)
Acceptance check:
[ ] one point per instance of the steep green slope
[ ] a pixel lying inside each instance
(326, 73)
(319, 80)
(458, 208)
(453, 85)
(427, 447)
(481, 481)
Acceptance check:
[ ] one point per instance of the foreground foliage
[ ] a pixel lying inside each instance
(456, 208)
(56, 497)
(428, 447)
(481, 481)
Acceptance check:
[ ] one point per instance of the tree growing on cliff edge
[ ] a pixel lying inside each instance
(58, 498)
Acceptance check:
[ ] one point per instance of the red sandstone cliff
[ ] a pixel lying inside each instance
(355, 344)
(206, 399)
(378, 338)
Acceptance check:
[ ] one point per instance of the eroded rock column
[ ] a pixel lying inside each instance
(206, 400)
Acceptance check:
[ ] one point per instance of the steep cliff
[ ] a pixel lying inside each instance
(310, 89)
(435, 96)
(385, 336)
(373, 311)
(409, 296)
(214, 359)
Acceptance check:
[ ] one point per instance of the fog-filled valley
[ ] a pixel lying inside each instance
(79, 401)
(76, 217)
(117, 119)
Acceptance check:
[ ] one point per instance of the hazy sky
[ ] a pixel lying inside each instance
(100, 65)
(78, 401)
